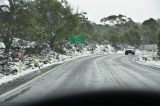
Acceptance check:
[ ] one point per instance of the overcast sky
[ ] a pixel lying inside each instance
(138, 10)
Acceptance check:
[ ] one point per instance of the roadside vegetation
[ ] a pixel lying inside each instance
(43, 28)
(121, 31)
(43, 21)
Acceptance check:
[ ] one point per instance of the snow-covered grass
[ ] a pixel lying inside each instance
(148, 58)
(5, 79)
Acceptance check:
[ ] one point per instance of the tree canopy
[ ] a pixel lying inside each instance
(51, 21)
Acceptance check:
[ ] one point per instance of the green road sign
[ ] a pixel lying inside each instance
(77, 39)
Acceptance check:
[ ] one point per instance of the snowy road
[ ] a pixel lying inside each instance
(92, 73)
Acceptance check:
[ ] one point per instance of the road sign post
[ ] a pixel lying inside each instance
(20, 57)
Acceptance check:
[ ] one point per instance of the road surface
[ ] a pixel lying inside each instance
(92, 73)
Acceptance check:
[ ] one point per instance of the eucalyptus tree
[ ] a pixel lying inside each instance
(132, 37)
(7, 24)
(150, 31)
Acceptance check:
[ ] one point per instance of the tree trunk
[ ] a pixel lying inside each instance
(52, 41)
(8, 42)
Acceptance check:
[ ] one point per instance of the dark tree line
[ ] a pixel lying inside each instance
(122, 30)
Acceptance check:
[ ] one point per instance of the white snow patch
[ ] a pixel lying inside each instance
(149, 59)
(120, 52)
(2, 45)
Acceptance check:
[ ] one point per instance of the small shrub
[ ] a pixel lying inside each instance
(60, 50)
(154, 58)
(45, 62)
(104, 50)
(144, 58)
(15, 71)
(36, 64)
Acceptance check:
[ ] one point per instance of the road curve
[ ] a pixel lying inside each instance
(92, 73)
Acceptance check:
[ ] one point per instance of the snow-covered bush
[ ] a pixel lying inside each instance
(155, 58)
(36, 64)
(45, 61)
(57, 56)
(150, 58)
(60, 50)
(144, 58)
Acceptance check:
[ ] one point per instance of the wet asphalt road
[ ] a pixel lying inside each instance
(92, 73)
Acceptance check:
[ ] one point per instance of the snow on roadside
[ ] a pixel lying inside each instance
(1, 75)
(62, 59)
(9, 78)
(120, 52)
(148, 59)
(6, 79)
(51, 58)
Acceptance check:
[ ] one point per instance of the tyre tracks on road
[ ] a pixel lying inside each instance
(110, 73)
(127, 75)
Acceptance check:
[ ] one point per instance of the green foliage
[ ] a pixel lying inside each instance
(7, 25)
(132, 37)
(128, 31)
(114, 39)
(53, 21)
(150, 29)
(114, 19)
(42, 21)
